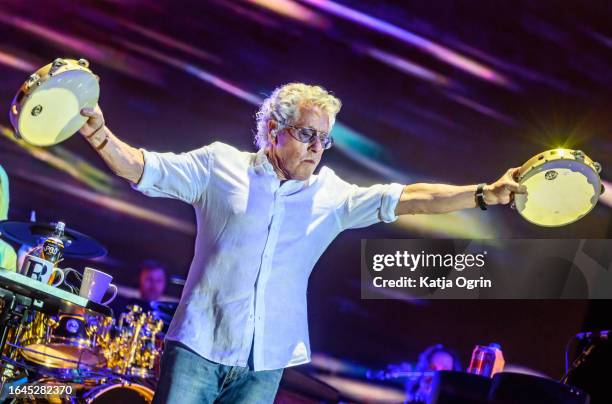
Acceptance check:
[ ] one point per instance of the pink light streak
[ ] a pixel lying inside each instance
(169, 41)
(292, 9)
(16, 62)
(85, 48)
(438, 51)
(483, 109)
(406, 66)
(196, 72)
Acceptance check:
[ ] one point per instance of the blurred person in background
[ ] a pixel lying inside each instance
(432, 359)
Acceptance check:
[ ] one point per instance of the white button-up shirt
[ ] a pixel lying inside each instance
(256, 245)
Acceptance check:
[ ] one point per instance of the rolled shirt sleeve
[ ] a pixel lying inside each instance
(179, 176)
(364, 206)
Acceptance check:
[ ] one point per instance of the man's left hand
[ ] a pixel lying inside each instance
(502, 191)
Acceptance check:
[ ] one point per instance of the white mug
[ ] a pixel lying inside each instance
(95, 284)
(41, 270)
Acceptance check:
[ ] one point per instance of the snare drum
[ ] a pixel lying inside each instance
(563, 185)
(47, 108)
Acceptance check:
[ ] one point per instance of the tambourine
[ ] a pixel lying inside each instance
(563, 185)
(46, 110)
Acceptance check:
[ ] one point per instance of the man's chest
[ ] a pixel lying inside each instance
(257, 204)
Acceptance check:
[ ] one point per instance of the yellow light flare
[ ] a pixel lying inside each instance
(292, 9)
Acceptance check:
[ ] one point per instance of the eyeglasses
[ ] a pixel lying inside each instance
(308, 135)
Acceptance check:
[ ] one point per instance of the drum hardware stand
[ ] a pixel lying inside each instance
(11, 317)
(140, 320)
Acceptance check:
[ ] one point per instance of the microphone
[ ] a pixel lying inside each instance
(594, 335)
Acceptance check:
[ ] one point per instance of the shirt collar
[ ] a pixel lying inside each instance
(262, 165)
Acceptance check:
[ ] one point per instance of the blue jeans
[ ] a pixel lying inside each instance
(189, 378)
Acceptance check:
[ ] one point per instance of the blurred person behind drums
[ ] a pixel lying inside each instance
(433, 359)
(152, 281)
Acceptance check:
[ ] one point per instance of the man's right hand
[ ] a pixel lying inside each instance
(95, 121)
(123, 159)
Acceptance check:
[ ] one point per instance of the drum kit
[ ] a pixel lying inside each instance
(52, 337)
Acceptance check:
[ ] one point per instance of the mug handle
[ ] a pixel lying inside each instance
(112, 297)
(61, 278)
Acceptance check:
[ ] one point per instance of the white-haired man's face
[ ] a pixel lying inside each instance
(294, 159)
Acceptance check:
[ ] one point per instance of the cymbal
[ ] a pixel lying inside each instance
(76, 244)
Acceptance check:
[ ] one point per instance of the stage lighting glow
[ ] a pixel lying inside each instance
(438, 51)
(16, 62)
(294, 10)
(406, 66)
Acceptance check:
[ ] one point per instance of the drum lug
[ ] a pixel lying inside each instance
(578, 154)
(597, 167)
(32, 80)
(57, 63)
(83, 62)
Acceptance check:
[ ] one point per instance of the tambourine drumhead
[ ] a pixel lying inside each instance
(49, 112)
(561, 188)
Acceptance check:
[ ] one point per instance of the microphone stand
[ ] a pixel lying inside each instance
(580, 359)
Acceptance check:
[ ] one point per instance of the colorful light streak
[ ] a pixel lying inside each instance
(16, 62)
(292, 9)
(438, 51)
(406, 66)
(483, 109)
(93, 51)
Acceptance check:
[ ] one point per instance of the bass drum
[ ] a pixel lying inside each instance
(114, 393)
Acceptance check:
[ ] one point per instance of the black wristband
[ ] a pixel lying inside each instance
(479, 196)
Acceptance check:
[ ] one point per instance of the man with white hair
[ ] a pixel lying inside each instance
(263, 221)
